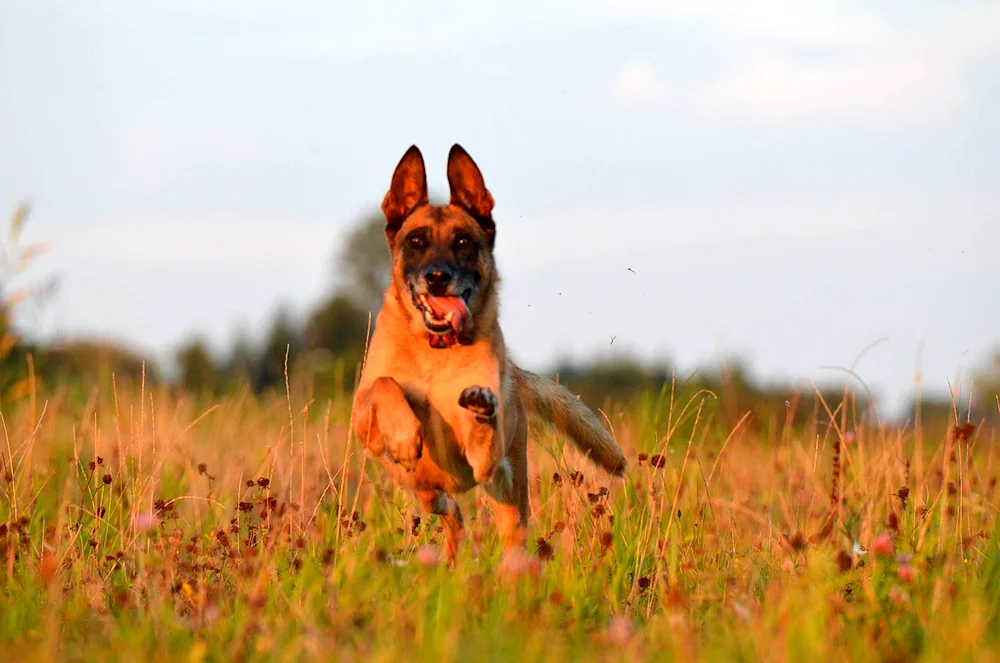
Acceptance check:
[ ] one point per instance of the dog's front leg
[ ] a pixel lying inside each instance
(385, 422)
(482, 433)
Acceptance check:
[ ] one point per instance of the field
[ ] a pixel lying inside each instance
(139, 524)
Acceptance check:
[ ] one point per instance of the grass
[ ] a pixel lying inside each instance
(142, 525)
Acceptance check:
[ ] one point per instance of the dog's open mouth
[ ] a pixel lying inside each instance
(444, 315)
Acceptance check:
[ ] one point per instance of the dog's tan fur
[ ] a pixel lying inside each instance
(442, 420)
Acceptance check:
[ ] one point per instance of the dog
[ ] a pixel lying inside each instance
(440, 404)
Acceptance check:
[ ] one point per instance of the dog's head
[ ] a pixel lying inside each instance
(442, 257)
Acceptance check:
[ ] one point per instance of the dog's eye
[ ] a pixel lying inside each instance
(463, 243)
(417, 241)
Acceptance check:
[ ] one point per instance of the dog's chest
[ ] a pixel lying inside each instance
(434, 383)
(441, 372)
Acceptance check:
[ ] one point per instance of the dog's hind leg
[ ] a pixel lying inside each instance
(510, 510)
(508, 492)
(445, 507)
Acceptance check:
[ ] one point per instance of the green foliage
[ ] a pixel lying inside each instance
(94, 363)
(338, 326)
(198, 373)
(363, 263)
(986, 393)
(283, 345)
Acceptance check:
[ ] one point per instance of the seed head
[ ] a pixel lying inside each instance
(843, 561)
(893, 521)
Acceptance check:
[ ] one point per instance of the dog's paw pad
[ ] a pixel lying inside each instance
(481, 401)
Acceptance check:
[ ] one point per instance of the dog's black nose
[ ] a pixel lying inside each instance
(438, 278)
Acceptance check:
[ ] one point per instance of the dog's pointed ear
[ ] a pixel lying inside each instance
(407, 192)
(468, 190)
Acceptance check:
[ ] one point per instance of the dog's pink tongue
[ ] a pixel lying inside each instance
(442, 306)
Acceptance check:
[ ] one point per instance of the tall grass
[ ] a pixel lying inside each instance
(139, 524)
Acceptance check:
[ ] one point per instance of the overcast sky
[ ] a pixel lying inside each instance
(790, 181)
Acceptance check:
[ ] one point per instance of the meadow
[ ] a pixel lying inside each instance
(147, 523)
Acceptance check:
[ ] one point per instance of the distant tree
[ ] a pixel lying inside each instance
(90, 361)
(335, 340)
(198, 372)
(363, 262)
(618, 378)
(337, 325)
(986, 388)
(284, 338)
(238, 368)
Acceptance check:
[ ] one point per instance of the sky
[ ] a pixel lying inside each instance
(681, 179)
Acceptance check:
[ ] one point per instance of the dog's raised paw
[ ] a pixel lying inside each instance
(481, 401)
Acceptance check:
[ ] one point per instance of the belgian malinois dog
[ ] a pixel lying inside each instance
(440, 404)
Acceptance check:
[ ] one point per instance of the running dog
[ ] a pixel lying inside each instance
(440, 403)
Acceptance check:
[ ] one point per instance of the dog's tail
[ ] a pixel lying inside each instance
(555, 404)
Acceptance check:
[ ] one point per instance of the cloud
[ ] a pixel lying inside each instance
(965, 28)
(638, 83)
(775, 20)
(909, 92)
(777, 91)
(913, 71)
(375, 43)
(772, 91)
(361, 43)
